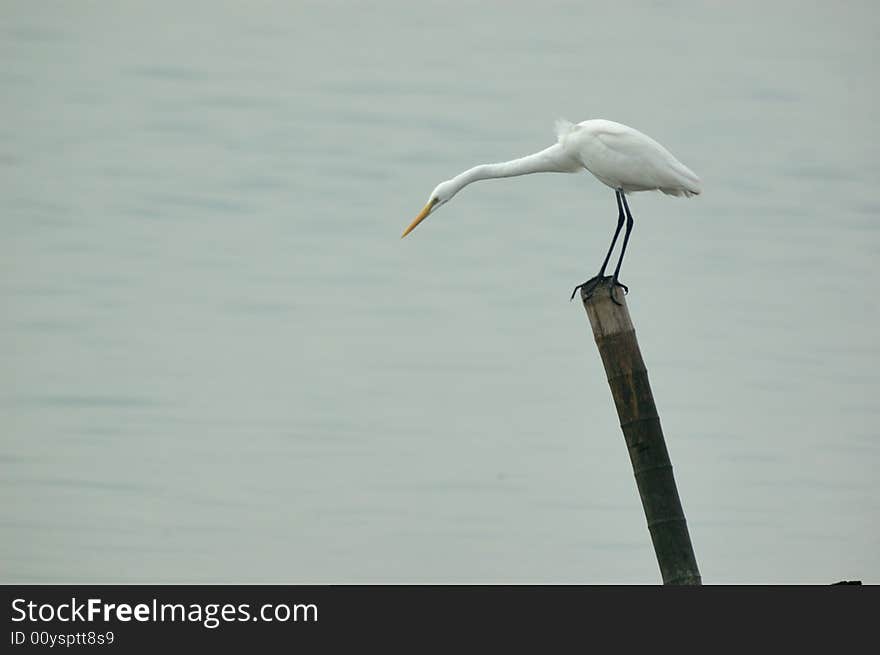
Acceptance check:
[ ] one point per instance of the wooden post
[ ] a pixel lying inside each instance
(628, 379)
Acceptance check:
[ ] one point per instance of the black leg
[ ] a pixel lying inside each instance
(629, 227)
(590, 284)
(617, 195)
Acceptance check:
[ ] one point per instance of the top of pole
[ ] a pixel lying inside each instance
(628, 380)
(607, 317)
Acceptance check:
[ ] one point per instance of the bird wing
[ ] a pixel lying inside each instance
(625, 158)
(633, 158)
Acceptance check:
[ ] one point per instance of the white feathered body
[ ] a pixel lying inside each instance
(618, 155)
(624, 158)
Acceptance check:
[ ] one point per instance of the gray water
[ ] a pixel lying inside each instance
(221, 363)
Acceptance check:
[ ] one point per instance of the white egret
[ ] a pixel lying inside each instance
(617, 155)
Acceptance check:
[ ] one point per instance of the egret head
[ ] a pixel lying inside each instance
(439, 196)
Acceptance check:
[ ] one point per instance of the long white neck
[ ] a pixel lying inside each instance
(549, 160)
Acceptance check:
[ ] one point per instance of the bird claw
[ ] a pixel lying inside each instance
(587, 288)
(611, 286)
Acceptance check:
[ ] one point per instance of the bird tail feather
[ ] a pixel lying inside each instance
(687, 182)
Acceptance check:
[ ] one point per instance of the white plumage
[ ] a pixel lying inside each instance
(624, 158)
(616, 154)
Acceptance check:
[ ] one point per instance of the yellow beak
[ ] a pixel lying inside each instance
(418, 219)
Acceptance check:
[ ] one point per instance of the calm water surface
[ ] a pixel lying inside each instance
(221, 363)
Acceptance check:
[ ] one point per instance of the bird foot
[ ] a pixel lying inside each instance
(615, 283)
(587, 288)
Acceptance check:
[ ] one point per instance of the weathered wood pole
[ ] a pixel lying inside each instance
(628, 379)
